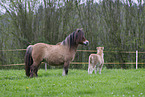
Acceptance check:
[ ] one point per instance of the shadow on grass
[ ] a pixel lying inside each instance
(86, 92)
(18, 77)
(48, 74)
(14, 77)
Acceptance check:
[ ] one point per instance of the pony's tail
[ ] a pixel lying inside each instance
(28, 60)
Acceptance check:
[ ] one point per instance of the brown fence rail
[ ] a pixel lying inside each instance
(83, 51)
(14, 50)
(86, 62)
(79, 63)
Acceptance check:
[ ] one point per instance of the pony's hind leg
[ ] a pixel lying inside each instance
(33, 70)
(36, 69)
(90, 69)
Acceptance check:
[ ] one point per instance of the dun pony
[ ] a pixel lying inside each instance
(61, 54)
(96, 61)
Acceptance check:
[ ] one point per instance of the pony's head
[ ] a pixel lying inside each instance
(75, 38)
(100, 50)
(80, 38)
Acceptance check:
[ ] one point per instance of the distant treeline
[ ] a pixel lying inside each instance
(113, 24)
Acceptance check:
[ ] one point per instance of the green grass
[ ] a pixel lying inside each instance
(115, 82)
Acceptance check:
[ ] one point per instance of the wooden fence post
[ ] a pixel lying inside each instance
(136, 58)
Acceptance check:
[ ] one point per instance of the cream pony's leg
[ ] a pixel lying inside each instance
(95, 70)
(90, 69)
(100, 68)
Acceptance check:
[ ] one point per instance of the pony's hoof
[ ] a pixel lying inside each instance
(30, 76)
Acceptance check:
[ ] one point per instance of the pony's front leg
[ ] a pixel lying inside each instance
(65, 68)
(100, 68)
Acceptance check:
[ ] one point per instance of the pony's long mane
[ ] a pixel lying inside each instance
(72, 39)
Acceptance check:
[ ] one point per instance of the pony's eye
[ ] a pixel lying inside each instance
(83, 38)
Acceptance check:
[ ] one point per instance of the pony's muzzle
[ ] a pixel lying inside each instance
(86, 42)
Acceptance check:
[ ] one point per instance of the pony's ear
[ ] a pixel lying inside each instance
(81, 29)
(102, 48)
(78, 30)
(97, 47)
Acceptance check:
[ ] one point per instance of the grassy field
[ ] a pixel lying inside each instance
(113, 82)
